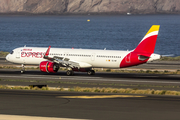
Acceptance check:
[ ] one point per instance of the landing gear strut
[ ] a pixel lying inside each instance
(23, 69)
(91, 72)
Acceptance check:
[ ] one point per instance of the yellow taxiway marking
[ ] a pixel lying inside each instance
(21, 117)
(100, 96)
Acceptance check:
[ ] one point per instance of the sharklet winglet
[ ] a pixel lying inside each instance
(47, 52)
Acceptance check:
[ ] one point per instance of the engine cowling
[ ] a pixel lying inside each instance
(50, 67)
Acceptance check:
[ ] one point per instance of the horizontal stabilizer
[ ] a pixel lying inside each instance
(171, 55)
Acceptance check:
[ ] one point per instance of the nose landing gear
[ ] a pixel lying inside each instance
(22, 69)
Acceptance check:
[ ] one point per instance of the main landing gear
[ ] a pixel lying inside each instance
(91, 72)
(70, 72)
(22, 69)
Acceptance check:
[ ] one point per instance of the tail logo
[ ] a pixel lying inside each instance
(143, 51)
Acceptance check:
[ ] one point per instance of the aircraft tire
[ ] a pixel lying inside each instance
(69, 72)
(91, 72)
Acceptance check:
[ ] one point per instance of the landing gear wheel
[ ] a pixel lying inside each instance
(23, 69)
(69, 72)
(91, 72)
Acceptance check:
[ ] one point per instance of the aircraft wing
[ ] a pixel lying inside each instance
(66, 62)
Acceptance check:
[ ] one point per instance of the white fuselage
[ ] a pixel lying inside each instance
(52, 58)
(87, 58)
(96, 58)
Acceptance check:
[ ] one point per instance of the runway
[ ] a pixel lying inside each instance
(88, 106)
(100, 79)
(159, 65)
(54, 104)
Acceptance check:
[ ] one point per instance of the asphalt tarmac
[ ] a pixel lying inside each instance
(99, 106)
(100, 79)
(59, 105)
(159, 65)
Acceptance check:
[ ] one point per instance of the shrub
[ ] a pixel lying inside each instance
(163, 92)
(3, 54)
(178, 72)
(156, 71)
(27, 88)
(148, 71)
(97, 90)
(165, 71)
(61, 89)
(108, 70)
(44, 88)
(35, 88)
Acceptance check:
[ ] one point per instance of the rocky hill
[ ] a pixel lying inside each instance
(89, 6)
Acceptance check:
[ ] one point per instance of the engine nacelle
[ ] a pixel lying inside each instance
(50, 67)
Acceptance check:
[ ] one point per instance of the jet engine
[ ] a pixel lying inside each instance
(50, 67)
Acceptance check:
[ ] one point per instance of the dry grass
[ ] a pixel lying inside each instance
(99, 90)
(122, 90)
(170, 58)
(3, 54)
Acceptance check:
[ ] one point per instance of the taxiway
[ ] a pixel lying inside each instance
(60, 105)
(14, 77)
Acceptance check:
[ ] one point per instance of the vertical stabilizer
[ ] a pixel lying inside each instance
(147, 44)
(144, 51)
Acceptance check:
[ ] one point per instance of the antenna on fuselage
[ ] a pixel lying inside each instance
(24, 45)
(104, 48)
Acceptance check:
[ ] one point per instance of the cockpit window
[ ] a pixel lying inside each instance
(11, 52)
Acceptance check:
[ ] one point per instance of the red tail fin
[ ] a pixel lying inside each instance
(147, 44)
(143, 51)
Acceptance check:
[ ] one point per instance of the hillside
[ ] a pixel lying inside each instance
(89, 6)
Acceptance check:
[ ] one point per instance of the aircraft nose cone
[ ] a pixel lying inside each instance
(8, 57)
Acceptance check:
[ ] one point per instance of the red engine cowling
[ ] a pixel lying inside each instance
(50, 67)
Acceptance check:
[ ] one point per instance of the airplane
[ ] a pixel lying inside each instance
(84, 60)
